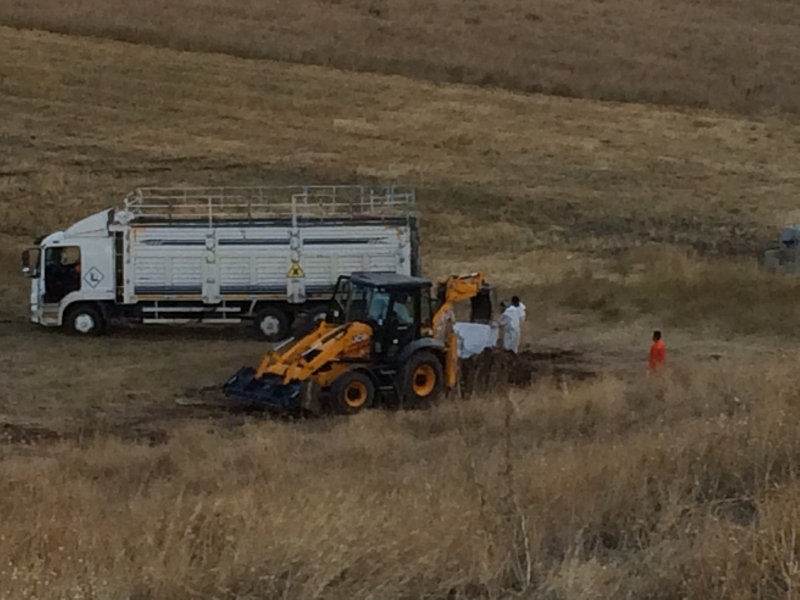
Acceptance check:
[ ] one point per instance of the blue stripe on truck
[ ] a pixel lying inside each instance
(253, 289)
(341, 241)
(253, 242)
(306, 242)
(172, 289)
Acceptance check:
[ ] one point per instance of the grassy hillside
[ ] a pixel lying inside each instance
(84, 118)
(505, 179)
(730, 54)
(611, 220)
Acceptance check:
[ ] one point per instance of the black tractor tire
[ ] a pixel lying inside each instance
(421, 380)
(84, 320)
(272, 324)
(351, 393)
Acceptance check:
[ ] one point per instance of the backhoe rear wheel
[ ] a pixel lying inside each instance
(352, 393)
(421, 380)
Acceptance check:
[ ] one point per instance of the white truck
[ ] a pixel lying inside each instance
(267, 255)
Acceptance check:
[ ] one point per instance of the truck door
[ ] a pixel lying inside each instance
(62, 273)
(211, 281)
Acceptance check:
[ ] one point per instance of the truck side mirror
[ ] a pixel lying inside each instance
(30, 263)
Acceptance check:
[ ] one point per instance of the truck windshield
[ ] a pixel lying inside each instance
(30, 262)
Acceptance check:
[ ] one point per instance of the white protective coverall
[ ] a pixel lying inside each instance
(510, 322)
(521, 310)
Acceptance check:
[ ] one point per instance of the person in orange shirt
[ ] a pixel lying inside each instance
(658, 353)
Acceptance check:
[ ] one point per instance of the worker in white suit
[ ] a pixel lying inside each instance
(510, 322)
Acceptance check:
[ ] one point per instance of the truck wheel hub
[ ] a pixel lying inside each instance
(270, 326)
(84, 323)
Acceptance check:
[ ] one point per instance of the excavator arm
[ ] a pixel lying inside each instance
(319, 349)
(320, 358)
(452, 290)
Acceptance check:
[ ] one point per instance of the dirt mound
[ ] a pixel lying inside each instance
(495, 369)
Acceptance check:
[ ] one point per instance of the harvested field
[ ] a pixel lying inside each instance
(727, 54)
(565, 473)
(545, 492)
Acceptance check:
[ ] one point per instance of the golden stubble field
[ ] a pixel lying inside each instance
(730, 54)
(611, 218)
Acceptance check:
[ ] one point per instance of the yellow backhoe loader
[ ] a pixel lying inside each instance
(386, 337)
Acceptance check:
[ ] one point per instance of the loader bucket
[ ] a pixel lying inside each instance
(269, 392)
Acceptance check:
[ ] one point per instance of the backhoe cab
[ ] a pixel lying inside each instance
(385, 337)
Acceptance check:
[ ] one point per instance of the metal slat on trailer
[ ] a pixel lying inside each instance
(214, 204)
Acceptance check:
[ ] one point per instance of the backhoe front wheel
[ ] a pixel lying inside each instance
(422, 380)
(352, 392)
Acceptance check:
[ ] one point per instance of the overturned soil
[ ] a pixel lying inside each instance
(494, 369)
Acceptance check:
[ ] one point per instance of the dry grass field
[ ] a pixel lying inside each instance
(610, 218)
(686, 489)
(731, 54)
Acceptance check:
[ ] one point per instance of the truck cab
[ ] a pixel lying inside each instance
(72, 274)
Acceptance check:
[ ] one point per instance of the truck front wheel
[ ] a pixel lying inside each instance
(84, 319)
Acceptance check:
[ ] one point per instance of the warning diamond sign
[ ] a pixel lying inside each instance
(295, 271)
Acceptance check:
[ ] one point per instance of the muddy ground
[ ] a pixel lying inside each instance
(492, 371)
(496, 370)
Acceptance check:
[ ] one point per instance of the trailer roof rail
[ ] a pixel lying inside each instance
(287, 202)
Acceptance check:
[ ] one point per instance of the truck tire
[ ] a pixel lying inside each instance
(307, 321)
(421, 380)
(84, 319)
(272, 324)
(352, 392)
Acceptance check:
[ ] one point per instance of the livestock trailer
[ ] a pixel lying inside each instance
(266, 255)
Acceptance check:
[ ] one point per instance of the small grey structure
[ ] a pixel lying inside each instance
(785, 258)
(269, 255)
